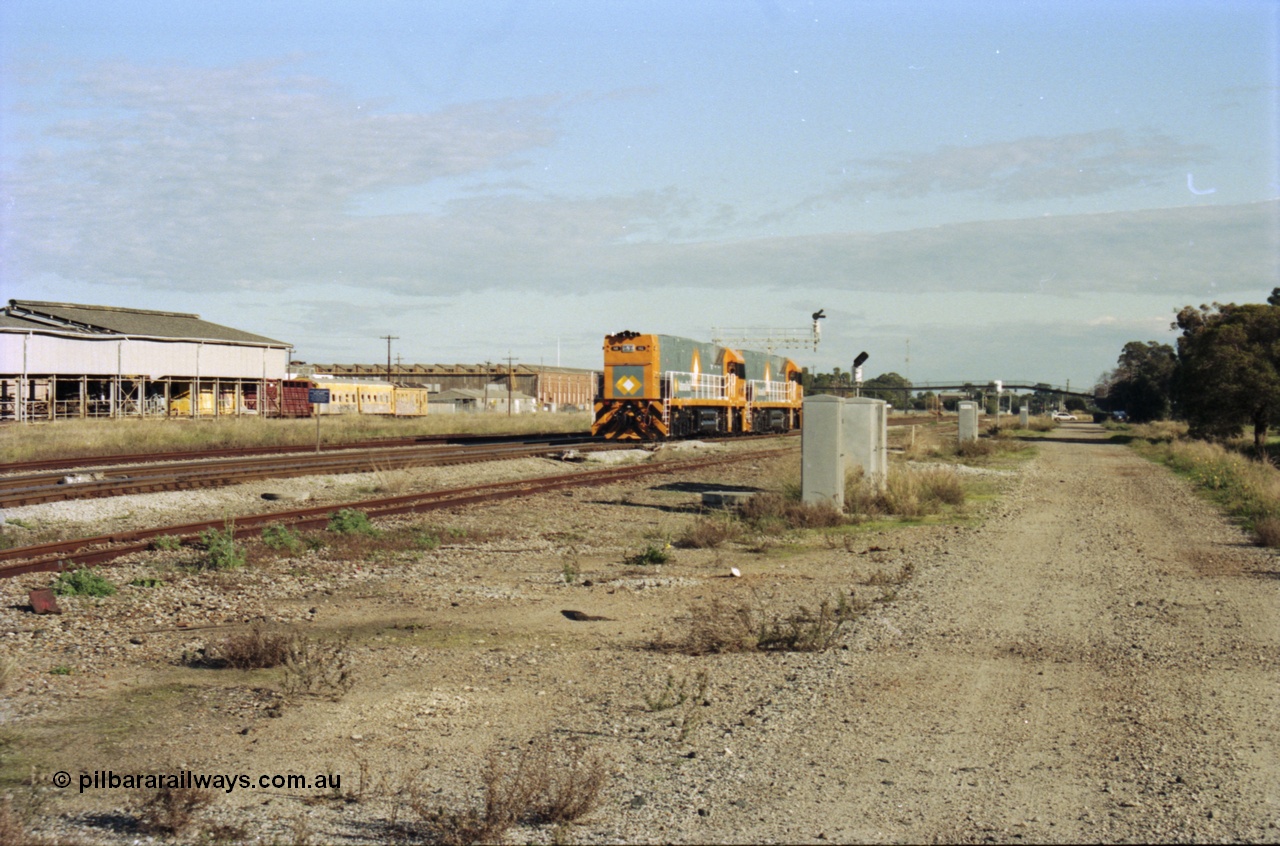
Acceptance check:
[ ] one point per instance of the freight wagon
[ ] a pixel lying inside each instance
(662, 386)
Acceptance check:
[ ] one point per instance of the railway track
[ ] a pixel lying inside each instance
(118, 479)
(83, 552)
(81, 463)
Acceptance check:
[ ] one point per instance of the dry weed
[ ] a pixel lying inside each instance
(1268, 531)
(719, 626)
(978, 448)
(13, 829)
(771, 511)
(710, 532)
(256, 649)
(541, 785)
(320, 669)
(8, 673)
(169, 810)
(909, 493)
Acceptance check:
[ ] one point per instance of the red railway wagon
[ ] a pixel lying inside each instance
(286, 398)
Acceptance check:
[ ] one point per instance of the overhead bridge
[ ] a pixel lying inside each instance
(1006, 385)
(973, 385)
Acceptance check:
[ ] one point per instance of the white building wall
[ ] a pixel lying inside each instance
(44, 354)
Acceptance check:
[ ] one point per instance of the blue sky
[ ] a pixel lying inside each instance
(998, 190)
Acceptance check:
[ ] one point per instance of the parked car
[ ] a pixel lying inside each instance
(1120, 417)
(1062, 416)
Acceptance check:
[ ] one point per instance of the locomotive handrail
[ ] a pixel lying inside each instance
(765, 390)
(697, 385)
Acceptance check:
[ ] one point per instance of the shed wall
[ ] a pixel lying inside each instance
(62, 356)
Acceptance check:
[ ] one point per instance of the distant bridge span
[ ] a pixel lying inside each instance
(972, 385)
(1007, 385)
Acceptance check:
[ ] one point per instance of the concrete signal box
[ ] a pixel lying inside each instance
(968, 412)
(838, 435)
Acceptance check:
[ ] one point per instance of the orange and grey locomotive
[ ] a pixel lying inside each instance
(662, 386)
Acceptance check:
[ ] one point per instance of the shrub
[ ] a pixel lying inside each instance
(350, 521)
(221, 550)
(83, 582)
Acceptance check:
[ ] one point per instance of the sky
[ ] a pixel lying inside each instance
(969, 190)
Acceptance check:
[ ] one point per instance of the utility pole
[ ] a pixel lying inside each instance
(511, 381)
(389, 339)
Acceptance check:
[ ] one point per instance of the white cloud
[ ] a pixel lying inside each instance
(244, 178)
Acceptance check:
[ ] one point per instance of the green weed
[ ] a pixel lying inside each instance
(221, 550)
(651, 556)
(281, 538)
(84, 582)
(350, 521)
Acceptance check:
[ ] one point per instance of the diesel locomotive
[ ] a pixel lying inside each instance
(660, 386)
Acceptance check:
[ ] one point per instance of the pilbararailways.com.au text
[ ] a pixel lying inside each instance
(185, 779)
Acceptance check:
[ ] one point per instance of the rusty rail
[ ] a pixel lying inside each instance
(36, 489)
(105, 548)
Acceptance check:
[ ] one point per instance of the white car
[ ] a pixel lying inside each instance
(1062, 416)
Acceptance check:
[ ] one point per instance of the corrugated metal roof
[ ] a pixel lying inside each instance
(112, 320)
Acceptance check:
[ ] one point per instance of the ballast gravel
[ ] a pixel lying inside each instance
(1091, 656)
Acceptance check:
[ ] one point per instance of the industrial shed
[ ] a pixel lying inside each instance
(63, 360)
(554, 388)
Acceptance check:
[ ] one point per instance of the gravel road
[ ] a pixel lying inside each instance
(1093, 659)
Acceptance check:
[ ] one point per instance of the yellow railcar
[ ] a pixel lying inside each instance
(366, 397)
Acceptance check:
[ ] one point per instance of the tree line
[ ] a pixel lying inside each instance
(893, 387)
(1222, 377)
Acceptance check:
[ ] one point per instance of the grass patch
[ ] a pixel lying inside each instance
(92, 438)
(908, 493)
(1247, 490)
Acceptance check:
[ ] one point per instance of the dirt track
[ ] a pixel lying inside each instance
(1099, 662)
(1096, 661)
